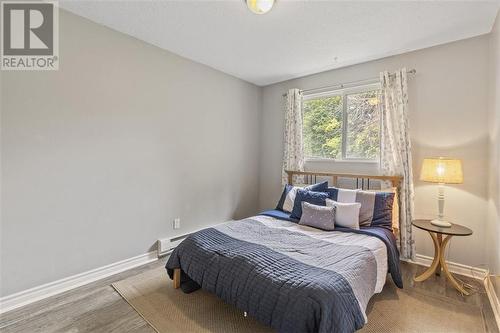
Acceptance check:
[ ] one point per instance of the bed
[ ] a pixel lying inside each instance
(291, 277)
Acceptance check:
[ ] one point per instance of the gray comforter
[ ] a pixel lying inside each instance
(290, 277)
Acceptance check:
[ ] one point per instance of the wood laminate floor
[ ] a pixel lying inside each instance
(97, 307)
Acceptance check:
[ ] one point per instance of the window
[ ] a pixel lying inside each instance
(342, 124)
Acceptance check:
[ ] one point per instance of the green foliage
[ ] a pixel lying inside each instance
(322, 126)
(363, 136)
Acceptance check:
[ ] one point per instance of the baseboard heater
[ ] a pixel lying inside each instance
(167, 245)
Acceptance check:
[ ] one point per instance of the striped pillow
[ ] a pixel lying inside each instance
(287, 199)
(376, 207)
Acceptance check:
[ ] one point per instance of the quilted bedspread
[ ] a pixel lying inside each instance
(291, 277)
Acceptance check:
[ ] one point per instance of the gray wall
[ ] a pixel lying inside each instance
(493, 226)
(448, 116)
(99, 157)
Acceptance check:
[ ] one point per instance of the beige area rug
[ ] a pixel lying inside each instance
(169, 310)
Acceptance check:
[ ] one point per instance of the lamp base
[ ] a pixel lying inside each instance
(441, 223)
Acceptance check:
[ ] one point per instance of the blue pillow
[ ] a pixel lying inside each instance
(382, 210)
(303, 195)
(319, 187)
(332, 192)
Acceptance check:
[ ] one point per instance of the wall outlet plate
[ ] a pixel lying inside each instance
(177, 223)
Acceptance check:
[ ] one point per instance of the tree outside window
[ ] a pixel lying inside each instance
(342, 125)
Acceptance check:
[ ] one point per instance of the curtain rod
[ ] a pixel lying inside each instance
(341, 85)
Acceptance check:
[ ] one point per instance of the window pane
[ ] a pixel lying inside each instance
(363, 125)
(322, 127)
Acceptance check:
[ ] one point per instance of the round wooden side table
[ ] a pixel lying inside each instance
(439, 261)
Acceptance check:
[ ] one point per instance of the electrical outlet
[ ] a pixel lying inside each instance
(177, 223)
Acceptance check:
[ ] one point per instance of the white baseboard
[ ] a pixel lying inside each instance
(31, 295)
(470, 271)
(494, 299)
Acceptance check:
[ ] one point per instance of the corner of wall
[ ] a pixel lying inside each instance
(260, 148)
(493, 223)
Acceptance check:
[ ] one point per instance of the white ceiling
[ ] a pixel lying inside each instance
(297, 37)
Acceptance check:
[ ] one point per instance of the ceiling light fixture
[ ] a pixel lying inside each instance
(260, 6)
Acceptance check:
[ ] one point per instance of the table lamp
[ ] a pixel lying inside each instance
(442, 171)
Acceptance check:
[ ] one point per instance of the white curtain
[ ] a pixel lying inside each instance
(395, 152)
(293, 156)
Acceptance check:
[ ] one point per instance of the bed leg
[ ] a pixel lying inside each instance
(177, 278)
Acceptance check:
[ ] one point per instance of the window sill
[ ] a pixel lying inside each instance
(329, 160)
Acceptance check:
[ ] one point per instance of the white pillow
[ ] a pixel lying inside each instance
(346, 195)
(346, 214)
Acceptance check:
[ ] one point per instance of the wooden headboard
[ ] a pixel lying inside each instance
(362, 181)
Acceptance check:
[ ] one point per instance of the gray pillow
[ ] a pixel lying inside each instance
(320, 217)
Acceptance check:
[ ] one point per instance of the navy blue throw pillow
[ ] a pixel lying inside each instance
(315, 198)
(332, 192)
(319, 187)
(382, 210)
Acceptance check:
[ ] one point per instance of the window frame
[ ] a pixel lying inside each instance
(343, 92)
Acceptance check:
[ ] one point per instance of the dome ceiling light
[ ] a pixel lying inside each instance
(260, 6)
